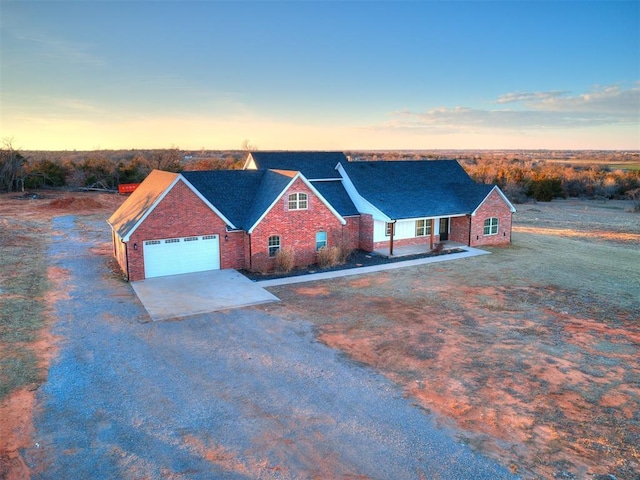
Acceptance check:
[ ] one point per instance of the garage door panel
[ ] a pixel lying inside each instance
(173, 256)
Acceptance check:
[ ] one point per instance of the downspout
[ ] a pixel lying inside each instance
(470, 219)
(511, 228)
(250, 254)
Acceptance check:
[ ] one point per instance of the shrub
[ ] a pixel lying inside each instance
(344, 253)
(328, 257)
(285, 260)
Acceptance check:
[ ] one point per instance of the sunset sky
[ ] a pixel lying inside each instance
(330, 75)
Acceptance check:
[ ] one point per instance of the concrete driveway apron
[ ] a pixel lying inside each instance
(189, 294)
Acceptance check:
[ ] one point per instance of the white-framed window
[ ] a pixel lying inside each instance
(274, 245)
(423, 227)
(321, 240)
(387, 228)
(298, 201)
(491, 226)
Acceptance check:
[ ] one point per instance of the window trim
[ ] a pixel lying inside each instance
(387, 229)
(272, 247)
(491, 226)
(324, 242)
(298, 201)
(426, 228)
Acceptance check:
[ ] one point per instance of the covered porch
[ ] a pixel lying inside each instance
(409, 250)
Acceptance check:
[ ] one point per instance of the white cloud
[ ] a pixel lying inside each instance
(602, 106)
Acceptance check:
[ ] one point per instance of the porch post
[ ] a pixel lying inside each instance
(431, 238)
(392, 231)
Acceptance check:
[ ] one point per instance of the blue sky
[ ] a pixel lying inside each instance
(336, 75)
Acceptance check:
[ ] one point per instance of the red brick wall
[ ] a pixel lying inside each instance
(120, 252)
(405, 242)
(459, 227)
(351, 233)
(297, 230)
(366, 233)
(182, 214)
(493, 206)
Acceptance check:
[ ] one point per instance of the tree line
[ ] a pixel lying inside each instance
(520, 178)
(102, 169)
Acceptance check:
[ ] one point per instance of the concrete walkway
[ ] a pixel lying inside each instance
(189, 294)
(469, 252)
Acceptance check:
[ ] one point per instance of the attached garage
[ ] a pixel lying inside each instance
(173, 256)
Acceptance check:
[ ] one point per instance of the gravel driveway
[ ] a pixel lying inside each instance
(240, 394)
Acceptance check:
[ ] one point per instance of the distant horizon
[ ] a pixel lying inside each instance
(383, 75)
(406, 150)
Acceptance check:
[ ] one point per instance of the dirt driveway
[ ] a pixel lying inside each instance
(243, 394)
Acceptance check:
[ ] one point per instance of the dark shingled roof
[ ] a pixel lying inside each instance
(313, 165)
(414, 189)
(334, 192)
(271, 186)
(240, 195)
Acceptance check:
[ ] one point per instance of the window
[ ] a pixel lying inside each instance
(321, 240)
(491, 226)
(423, 227)
(298, 201)
(274, 245)
(387, 228)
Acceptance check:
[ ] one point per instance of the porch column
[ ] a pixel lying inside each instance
(392, 231)
(433, 222)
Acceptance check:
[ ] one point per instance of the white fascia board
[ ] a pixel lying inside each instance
(433, 217)
(506, 200)
(277, 199)
(151, 209)
(249, 163)
(207, 203)
(361, 203)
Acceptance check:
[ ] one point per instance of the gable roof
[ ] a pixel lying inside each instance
(313, 165)
(231, 191)
(141, 202)
(414, 189)
(246, 196)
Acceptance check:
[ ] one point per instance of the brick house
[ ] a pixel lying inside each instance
(196, 221)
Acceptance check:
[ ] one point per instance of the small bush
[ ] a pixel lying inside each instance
(328, 257)
(344, 253)
(285, 260)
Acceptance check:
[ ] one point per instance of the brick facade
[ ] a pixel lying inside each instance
(493, 206)
(459, 229)
(366, 233)
(406, 242)
(180, 213)
(296, 228)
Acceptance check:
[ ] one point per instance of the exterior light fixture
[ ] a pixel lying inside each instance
(135, 246)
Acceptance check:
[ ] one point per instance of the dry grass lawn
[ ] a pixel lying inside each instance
(533, 351)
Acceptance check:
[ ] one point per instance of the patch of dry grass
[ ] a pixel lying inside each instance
(533, 351)
(23, 283)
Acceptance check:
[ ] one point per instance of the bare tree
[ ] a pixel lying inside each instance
(247, 147)
(11, 167)
(167, 160)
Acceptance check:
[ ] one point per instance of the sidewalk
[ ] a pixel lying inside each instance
(470, 252)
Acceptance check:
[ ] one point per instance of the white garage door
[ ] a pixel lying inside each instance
(172, 256)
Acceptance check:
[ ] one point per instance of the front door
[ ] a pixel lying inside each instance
(444, 229)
